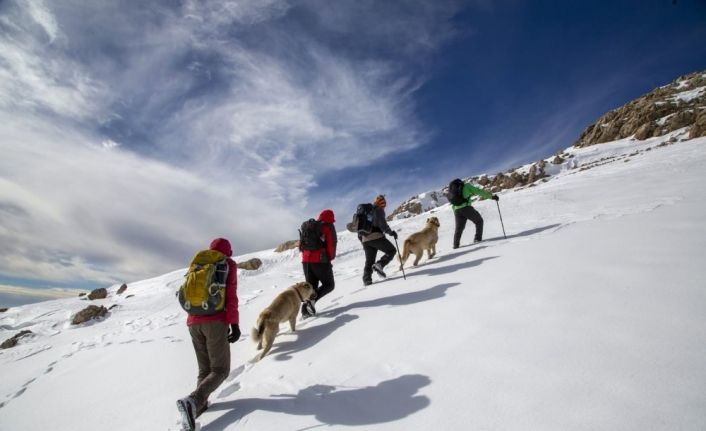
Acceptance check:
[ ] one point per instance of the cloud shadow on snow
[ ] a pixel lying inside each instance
(387, 401)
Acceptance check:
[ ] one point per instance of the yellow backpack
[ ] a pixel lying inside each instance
(204, 290)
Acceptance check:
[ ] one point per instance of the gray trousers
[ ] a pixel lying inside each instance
(210, 340)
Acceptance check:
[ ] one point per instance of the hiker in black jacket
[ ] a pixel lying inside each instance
(375, 241)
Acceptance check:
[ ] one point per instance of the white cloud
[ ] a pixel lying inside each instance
(137, 135)
(42, 16)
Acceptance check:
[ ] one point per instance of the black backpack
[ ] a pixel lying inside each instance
(310, 235)
(455, 193)
(363, 218)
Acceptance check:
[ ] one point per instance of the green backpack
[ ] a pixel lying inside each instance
(204, 290)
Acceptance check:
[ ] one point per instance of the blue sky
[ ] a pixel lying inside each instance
(134, 132)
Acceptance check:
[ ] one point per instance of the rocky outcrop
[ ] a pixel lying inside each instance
(2, 310)
(12, 342)
(251, 264)
(666, 109)
(100, 293)
(699, 128)
(287, 245)
(89, 313)
(415, 205)
(122, 289)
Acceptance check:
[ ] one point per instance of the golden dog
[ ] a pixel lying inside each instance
(425, 239)
(285, 307)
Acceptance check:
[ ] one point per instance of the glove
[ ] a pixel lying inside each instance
(234, 334)
(495, 198)
(394, 234)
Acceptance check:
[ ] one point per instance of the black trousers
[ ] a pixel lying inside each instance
(371, 250)
(319, 272)
(462, 215)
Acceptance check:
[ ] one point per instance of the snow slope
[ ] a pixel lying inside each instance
(591, 315)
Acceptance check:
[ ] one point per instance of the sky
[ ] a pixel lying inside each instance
(133, 133)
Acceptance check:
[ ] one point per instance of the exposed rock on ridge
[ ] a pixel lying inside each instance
(665, 109)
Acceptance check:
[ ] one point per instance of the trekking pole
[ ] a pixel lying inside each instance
(400, 256)
(501, 219)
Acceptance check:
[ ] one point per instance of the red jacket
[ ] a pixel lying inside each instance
(328, 235)
(230, 314)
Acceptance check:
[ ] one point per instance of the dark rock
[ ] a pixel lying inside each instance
(12, 342)
(89, 313)
(2, 310)
(81, 294)
(100, 293)
(122, 289)
(251, 264)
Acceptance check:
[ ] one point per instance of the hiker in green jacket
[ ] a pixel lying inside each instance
(459, 195)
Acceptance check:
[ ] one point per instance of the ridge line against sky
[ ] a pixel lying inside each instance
(134, 133)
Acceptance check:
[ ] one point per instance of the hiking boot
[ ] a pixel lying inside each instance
(378, 268)
(367, 282)
(308, 309)
(187, 410)
(477, 240)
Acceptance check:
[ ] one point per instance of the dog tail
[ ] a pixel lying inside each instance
(256, 332)
(405, 251)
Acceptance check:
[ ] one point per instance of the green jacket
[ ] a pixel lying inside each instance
(468, 191)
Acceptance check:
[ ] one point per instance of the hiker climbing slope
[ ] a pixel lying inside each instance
(459, 195)
(209, 295)
(317, 242)
(375, 241)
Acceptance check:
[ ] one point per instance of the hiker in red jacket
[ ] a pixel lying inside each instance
(210, 336)
(316, 259)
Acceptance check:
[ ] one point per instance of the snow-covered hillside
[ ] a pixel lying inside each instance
(590, 315)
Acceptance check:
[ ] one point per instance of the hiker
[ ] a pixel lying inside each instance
(210, 336)
(317, 243)
(459, 195)
(375, 241)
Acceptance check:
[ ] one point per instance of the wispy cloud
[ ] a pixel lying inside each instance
(132, 135)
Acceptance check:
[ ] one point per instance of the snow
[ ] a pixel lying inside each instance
(682, 84)
(689, 95)
(590, 315)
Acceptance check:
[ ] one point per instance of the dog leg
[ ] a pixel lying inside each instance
(417, 257)
(268, 338)
(293, 319)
